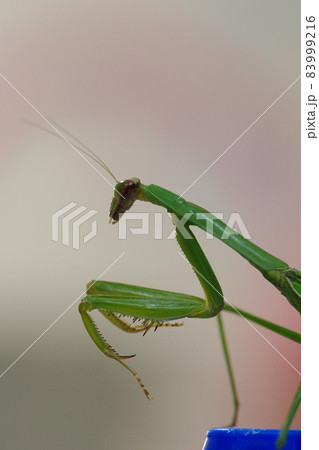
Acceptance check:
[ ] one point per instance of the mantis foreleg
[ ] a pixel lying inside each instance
(154, 307)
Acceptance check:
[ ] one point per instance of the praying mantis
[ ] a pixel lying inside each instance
(137, 309)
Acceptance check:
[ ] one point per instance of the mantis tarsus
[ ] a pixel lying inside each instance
(137, 309)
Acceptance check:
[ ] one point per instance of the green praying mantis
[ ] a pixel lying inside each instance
(136, 309)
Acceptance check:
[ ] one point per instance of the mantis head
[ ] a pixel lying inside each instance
(125, 194)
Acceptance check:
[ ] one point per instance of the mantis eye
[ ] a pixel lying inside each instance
(130, 187)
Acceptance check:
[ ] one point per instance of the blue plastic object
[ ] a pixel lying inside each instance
(249, 439)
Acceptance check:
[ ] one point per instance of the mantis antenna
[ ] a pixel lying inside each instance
(76, 143)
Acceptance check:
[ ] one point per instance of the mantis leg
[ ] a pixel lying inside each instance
(291, 413)
(214, 300)
(116, 301)
(229, 370)
(137, 309)
(136, 328)
(103, 345)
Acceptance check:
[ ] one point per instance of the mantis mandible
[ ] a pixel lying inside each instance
(137, 309)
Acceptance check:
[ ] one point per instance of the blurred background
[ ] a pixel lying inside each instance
(159, 90)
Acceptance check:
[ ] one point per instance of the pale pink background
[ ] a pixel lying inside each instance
(159, 90)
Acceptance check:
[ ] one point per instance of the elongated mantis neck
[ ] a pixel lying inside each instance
(278, 272)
